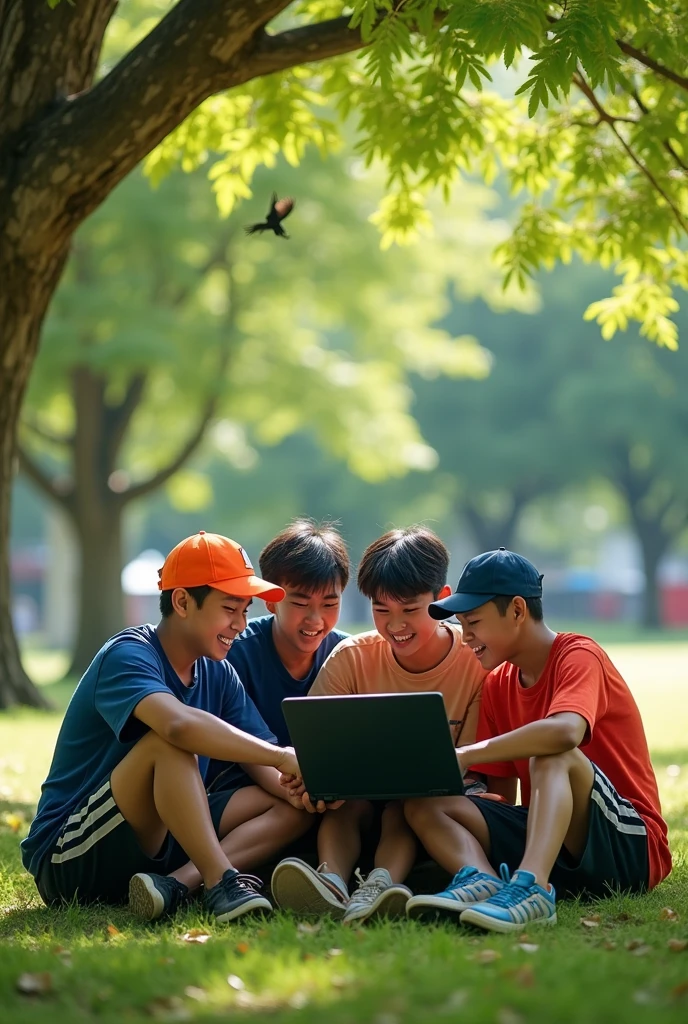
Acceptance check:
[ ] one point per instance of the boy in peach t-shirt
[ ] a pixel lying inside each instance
(402, 573)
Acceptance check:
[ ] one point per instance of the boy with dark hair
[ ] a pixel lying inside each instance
(280, 654)
(131, 760)
(557, 716)
(401, 573)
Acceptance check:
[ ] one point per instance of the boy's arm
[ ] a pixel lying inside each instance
(269, 780)
(554, 735)
(199, 732)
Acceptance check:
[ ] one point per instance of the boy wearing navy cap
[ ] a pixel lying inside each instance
(557, 716)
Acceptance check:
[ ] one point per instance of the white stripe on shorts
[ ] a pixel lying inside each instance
(77, 851)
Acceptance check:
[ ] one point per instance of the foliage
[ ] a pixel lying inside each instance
(588, 121)
(320, 332)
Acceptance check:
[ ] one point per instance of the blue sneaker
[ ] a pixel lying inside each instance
(466, 888)
(151, 896)
(236, 894)
(522, 902)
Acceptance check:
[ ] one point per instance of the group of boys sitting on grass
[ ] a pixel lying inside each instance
(173, 774)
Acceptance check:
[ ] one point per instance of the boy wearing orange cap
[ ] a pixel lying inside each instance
(130, 766)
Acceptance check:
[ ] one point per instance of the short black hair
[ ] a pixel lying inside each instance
(533, 604)
(199, 595)
(307, 554)
(402, 564)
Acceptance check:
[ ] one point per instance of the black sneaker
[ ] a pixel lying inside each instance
(151, 896)
(236, 894)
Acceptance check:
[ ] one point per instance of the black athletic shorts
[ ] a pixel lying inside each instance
(615, 858)
(98, 852)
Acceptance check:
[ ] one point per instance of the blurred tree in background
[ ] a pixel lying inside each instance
(169, 321)
(594, 133)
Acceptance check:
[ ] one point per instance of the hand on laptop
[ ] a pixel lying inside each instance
(297, 792)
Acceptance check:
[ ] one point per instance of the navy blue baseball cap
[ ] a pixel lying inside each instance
(487, 576)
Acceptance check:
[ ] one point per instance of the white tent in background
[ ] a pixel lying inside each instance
(140, 587)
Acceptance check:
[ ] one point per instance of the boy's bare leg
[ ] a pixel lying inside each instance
(561, 785)
(339, 836)
(158, 789)
(253, 827)
(452, 830)
(397, 847)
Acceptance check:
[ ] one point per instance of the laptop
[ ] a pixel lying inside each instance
(386, 746)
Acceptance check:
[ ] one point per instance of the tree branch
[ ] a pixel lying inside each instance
(666, 143)
(167, 472)
(653, 65)
(45, 484)
(607, 118)
(45, 433)
(197, 49)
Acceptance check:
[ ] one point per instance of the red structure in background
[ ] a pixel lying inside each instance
(674, 604)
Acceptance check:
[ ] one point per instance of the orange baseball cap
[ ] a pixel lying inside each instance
(209, 560)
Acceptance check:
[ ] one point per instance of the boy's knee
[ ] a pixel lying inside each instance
(418, 811)
(562, 762)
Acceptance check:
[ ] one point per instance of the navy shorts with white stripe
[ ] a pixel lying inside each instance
(615, 857)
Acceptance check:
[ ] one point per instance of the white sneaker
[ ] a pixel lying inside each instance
(377, 895)
(299, 887)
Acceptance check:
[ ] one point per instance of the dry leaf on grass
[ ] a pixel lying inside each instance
(15, 821)
(168, 1008)
(307, 956)
(164, 960)
(334, 952)
(485, 956)
(35, 984)
(455, 1001)
(667, 914)
(235, 982)
(524, 976)
(194, 992)
(591, 921)
(528, 947)
(677, 945)
(242, 948)
(64, 954)
(638, 947)
(112, 932)
(195, 935)
(508, 1016)
(608, 944)
(679, 990)
(298, 1000)
(308, 929)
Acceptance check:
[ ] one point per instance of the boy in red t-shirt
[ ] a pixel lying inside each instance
(556, 716)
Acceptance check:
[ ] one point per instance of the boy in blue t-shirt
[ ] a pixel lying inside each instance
(280, 654)
(132, 761)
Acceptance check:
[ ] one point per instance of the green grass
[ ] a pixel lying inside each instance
(385, 974)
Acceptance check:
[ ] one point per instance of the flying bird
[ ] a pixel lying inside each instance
(279, 209)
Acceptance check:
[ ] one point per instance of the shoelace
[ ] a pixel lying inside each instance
(368, 891)
(246, 883)
(511, 894)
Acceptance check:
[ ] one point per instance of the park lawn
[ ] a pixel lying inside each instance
(98, 963)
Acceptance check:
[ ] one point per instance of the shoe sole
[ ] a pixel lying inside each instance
(296, 887)
(144, 899)
(493, 924)
(433, 906)
(390, 904)
(258, 905)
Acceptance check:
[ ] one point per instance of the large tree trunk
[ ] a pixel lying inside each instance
(100, 551)
(24, 296)
(654, 544)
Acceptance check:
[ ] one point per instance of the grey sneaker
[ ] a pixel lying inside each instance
(151, 896)
(377, 896)
(299, 887)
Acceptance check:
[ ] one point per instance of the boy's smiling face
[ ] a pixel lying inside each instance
(494, 638)
(303, 619)
(212, 628)
(406, 625)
